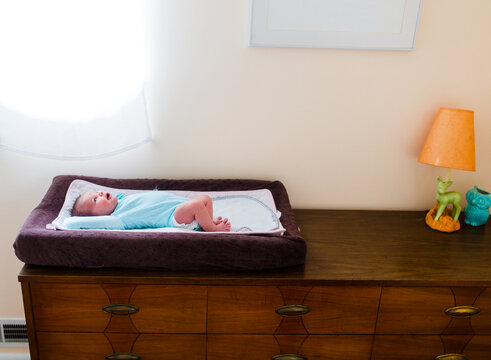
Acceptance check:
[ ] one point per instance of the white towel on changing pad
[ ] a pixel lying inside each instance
(246, 213)
(249, 212)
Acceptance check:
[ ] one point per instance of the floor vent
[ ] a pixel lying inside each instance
(13, 332)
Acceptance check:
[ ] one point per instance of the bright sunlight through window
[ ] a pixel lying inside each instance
(69, 62)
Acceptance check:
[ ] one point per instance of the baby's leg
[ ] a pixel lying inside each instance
(208, 203)
(209, 207)
(200, 209)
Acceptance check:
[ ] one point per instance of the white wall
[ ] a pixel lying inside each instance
(340, 128)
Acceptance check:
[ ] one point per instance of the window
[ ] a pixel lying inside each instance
(71, 77)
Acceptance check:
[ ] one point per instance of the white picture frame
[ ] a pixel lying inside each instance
(337, 24)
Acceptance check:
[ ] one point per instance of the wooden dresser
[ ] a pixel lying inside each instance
(377, 285)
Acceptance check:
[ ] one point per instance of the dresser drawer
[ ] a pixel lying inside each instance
(342, 310)
(337, 347)
(421, 310)
(170, 309)
(479, 348)
(97, 346)
(69, 307)
(149, 308)
(482, 322)
(243, 309)
(410, 347)
(83, 346)
(243, 347)
(320, 347)
(407, 347)
(328, 310)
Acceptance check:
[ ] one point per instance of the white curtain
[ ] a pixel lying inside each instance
(71, 77)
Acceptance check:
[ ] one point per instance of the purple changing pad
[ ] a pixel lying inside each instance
(172, 251)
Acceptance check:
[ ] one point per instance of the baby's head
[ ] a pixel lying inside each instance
(94, 203)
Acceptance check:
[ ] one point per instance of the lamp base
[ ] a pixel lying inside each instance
(445, 224)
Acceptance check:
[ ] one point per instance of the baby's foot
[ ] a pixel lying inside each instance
(220, 220)
(223, 226)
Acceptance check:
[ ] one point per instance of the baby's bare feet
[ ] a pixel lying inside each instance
(220, 220)
(224, 226)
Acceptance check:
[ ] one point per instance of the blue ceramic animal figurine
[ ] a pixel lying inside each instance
(444, 198)
(477, 209)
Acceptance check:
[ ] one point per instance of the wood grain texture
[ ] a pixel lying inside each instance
(337, 347)
(464, 297)
(69, 307)
(120, 294)
(342, 309)
(481, 323)
(122, 342)
(170, 309)
(409, 310)
(410, 347)
(314, 347)
(479, 348)
(290, 344)
(243, 309)
(293, 295)
(243, 347)
(31, 329)
(365, 270)
(394, 248)
(93, 346)
(171, 347)
(80, 346)
(455, 344)
(407, 347)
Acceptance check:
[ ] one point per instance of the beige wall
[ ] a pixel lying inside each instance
(340, 128)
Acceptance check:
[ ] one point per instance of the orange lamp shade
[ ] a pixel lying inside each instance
(450, 142)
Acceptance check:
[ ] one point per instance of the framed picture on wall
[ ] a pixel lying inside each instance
(338, 24)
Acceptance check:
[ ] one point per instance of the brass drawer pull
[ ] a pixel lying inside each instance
(288, 357)
(462, 311)
(292, 310)
(123, 356)
(451, 357)
(120, 309)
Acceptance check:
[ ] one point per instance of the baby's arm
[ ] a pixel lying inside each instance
(107, 222)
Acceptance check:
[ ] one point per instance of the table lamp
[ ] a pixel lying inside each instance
(450, 144)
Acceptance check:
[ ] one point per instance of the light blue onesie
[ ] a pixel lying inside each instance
(152, 209)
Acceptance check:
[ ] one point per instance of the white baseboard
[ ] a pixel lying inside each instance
(15, 357)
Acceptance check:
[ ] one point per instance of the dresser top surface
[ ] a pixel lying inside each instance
(343, 247)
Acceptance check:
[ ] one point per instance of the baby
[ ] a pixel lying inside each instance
(151, 209)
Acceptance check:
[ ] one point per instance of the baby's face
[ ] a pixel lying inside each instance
(98, 203)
